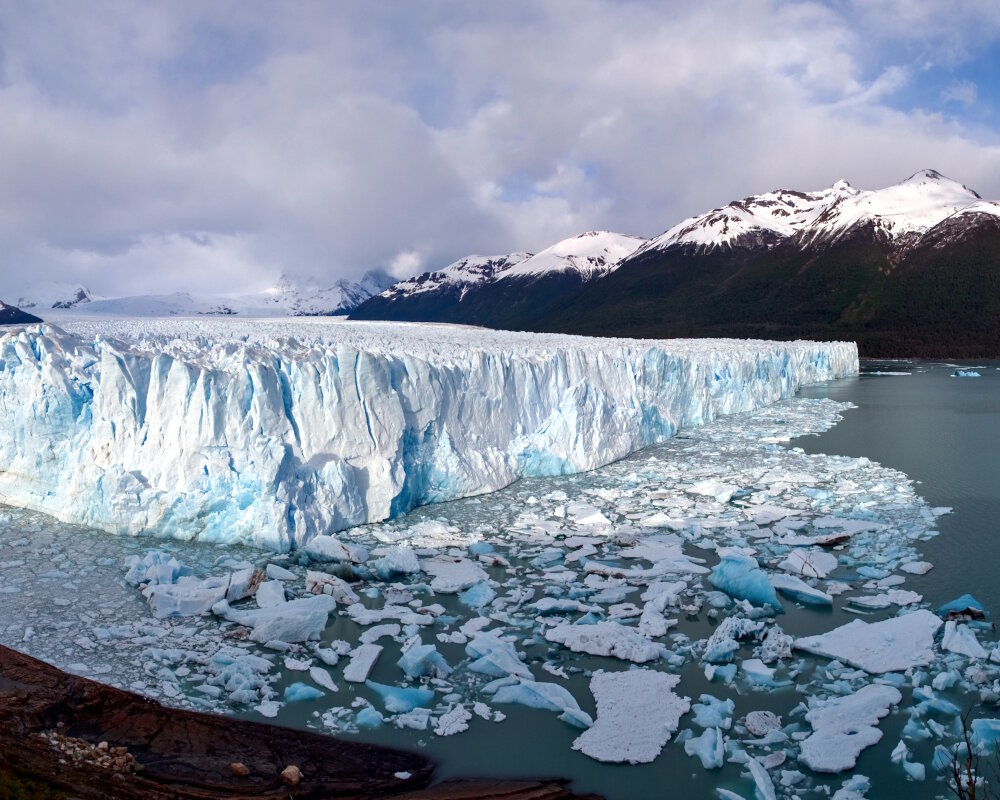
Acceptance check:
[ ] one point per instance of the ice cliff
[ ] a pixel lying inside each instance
(273, 432)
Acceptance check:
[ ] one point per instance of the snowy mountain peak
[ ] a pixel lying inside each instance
(56, 295)
(307, 296)
(912, 206)
(589, 254)
(462, 275)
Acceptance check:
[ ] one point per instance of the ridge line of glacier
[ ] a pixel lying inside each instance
(271, 433)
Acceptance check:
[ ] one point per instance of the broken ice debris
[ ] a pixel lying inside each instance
(637, 712)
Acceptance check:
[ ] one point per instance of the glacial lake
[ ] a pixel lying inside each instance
(63, 596)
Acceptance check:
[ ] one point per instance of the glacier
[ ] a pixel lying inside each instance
(272, 433)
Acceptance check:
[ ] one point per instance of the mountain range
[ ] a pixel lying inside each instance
(909, 270)
(291, 296)
(507, 291)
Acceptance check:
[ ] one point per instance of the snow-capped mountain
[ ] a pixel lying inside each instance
(909, 270)
(12, 315)
(56, 295)
(897, 213)
(462, 275)
(308, 297)
(589, 255)
(291, 296)
(485, 290)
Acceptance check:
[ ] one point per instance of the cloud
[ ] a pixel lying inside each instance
(205, 146)
(964, 92)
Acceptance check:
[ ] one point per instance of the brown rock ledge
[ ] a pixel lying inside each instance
(63, 736)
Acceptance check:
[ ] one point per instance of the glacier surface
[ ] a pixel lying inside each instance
(273, 433)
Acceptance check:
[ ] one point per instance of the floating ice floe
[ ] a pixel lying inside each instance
(540, 694)
(607, 638)
(362, 662)
(889, 646)
(809, 563)
(800, 591)
(637, 712)
(299, 620)
(844, 726)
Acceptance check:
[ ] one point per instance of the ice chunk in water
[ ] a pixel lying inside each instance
(495, 657)
(301, 693)
(985, 735)
(399, 560)
(337, 588)
(329, 548)
(709, 748)
(452, 575)
(964, 606)
(186, 598)
(740, 576)
(724, 640)
(400, 699)
(477, 595)
(454, 720)
(637, 712)
(547, 696)
(607, 638)
(961, 639)
(800, 591)
(844, 726)
(810, 563)
(298, 620)
(888, 646)
(710, 712)
(270, 593)
(363, 660)
(423, 659)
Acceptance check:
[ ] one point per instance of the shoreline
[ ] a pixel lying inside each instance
(72, 737)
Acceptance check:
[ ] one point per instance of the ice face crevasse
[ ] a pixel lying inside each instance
(273, 433)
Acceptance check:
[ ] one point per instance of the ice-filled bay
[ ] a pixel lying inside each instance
(439, 623)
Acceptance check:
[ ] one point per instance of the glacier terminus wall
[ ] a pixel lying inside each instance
(271, 433)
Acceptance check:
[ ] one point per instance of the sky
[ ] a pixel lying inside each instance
(209, 146)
